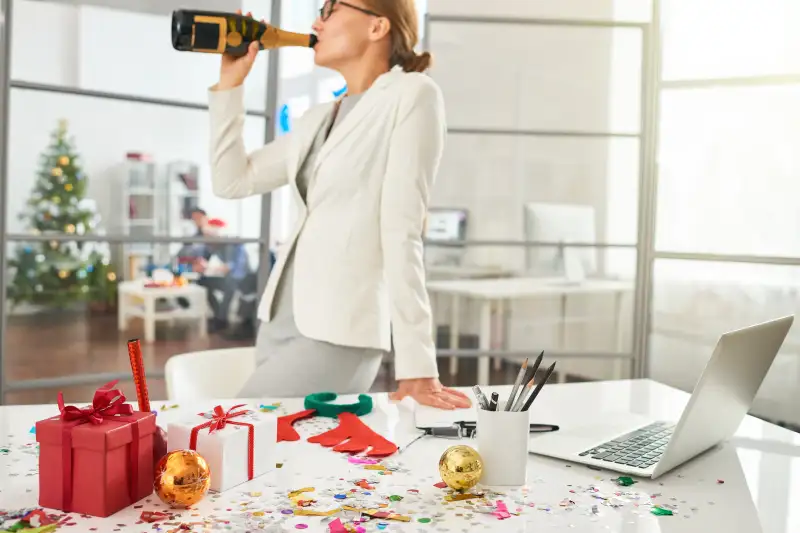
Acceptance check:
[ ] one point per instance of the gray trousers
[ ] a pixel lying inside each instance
(290, 365)
(302, 366)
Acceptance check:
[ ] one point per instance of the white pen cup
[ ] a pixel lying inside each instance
(503, 445)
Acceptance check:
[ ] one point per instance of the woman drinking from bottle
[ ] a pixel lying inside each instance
(349, 285)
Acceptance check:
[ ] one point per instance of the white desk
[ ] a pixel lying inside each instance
(450, 272)
(760, 468)
(496, 294)
(136, 300)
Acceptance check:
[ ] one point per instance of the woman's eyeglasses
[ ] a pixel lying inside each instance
(327, 9)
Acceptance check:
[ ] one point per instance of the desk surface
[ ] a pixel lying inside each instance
(138, 288)
(466, 271)
(504, 288)
(760, 468)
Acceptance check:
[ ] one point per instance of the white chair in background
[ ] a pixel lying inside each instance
(210, 374)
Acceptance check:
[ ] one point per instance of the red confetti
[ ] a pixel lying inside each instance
(153, 516)
(720, 481)
(441, 485)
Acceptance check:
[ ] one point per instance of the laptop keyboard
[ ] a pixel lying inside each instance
(641, 448)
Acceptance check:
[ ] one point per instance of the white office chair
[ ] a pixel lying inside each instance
(210, 374)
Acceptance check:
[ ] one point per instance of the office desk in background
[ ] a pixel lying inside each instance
(498, 293)
(457, 272)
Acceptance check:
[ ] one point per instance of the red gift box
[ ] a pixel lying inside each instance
(98, 459)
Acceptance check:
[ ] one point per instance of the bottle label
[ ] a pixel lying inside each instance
(208, 34)
(242, 30)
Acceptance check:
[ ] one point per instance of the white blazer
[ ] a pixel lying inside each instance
(359, 271)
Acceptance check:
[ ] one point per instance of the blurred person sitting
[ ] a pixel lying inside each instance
(225, 268)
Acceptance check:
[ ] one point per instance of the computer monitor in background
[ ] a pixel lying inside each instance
(560, 223)
(445, 225)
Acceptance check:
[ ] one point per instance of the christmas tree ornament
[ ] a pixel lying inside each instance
(354, 436)
(321, 402)
(182, 478)
(460, 467)
(56, 172)
(63, 160)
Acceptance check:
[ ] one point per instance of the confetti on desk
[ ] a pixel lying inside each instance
(352, 494)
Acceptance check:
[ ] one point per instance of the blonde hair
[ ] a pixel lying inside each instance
(404, 34)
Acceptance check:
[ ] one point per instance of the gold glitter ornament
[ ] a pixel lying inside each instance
(461, 467)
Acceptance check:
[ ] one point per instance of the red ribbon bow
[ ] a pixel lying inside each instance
(107, 402)
(219, 419)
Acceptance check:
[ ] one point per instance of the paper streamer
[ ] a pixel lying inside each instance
(139, 379)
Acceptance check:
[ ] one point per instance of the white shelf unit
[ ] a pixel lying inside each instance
(153, 200)
(182, 182)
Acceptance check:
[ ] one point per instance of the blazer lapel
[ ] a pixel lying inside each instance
(306, 133)
(371, 98)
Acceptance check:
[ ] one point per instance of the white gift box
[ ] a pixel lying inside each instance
(226, 450)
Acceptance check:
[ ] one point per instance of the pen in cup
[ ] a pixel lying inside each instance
(520, 376)
(493, 402)
(530, 381)
(483, 403)
(538, 388)
(530, 374)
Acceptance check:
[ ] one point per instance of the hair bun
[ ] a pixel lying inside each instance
(417, 62)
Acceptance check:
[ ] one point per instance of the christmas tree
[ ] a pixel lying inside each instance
(60, 273)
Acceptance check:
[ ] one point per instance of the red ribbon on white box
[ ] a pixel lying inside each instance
(219, 419)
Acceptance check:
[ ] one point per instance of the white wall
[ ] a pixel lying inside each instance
(621, 10)
(80, 47)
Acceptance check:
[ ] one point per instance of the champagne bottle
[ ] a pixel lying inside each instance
(229, 33)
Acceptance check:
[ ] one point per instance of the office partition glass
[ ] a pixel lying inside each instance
(107, 195)
(544, 173)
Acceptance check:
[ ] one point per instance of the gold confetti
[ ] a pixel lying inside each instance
(459, 497)
(309, 512)
(298, 492)
(377, 513)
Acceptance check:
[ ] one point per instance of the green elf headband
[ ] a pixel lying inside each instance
(320, 402)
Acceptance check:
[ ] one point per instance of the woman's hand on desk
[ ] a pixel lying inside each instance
(430, 391)
(234, 70)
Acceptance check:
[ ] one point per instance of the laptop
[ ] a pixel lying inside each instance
(723, 395)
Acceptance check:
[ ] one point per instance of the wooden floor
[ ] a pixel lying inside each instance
(65, 344)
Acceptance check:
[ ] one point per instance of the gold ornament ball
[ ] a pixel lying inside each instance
(56, 172)
(63, 160)
(182, 478)
(461, 467)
